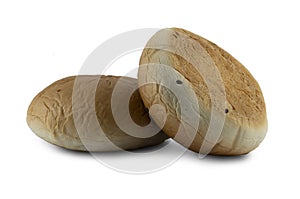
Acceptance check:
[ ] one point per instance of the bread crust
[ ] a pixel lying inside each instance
(245, 123)
(51, 115)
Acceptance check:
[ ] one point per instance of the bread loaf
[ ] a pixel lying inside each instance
(52, 117)
(244, 110)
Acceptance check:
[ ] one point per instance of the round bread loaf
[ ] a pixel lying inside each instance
(179, 64)
(52, 117)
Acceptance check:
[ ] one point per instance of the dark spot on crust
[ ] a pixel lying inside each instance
(226, 110)
(178, 81)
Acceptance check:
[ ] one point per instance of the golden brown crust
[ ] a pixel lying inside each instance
(50, 115)
(242, 90)
(245, 123)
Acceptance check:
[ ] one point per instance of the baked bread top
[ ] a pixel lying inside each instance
(53, 117)
(236, 94)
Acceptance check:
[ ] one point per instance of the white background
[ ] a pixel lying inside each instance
(43, 41)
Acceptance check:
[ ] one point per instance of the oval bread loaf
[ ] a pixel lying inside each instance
(51, 116)
(245, 123)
